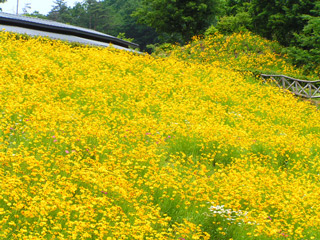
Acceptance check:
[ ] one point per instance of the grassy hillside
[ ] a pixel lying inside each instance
(106, 144)
(244, 52)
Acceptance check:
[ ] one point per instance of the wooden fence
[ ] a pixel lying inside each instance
(302, 88)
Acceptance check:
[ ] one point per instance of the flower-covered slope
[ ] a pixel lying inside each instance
(105, 144)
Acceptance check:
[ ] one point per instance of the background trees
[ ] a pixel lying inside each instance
(109, 16)
(280, 20)
(60, 12)
(178, 20)
(273, 19)
(306, 49)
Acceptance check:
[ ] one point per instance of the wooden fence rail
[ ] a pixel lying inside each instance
(302, 88)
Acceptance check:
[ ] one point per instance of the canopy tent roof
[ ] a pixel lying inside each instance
(40, 27)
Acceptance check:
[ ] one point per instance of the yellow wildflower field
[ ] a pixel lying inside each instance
(243, 52)
(106, 144)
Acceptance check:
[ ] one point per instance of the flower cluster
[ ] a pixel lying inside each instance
(227, 213)
(242, 52)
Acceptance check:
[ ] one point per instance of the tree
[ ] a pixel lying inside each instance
(178, 20)
(237, 23)
(306, 51)
(278, 19)
(233, 7)
(142, 34)
(60, 12)
(79, 15)
(97, 15)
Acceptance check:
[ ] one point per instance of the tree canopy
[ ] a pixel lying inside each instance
(60, 12)
(306, 50)
(178, 20)
(278, 19)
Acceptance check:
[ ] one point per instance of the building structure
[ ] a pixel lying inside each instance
(55, 30)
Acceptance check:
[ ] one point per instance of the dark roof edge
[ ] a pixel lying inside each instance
(66, 30)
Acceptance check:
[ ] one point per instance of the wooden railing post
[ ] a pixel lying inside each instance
(310, 93)
(299, 87)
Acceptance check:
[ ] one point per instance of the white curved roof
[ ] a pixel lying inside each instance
(41, 27)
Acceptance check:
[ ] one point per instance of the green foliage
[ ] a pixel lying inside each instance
(276, 19)
(178, 21)
(307, 51)
(293, 23)
(232, 7)
(60, 12)
(94, 15)
(230, 24)
(160, 48)
(142, 34)
(123, 37)
(279, 20)
(211, 31)
(107, 16)
(244, 52)
(36, 14)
